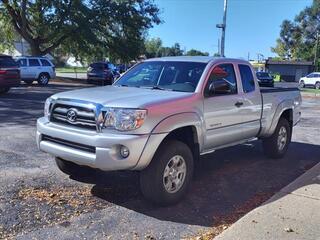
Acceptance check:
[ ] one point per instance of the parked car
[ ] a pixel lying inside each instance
(38, 69)
(311, 80)
(9, 73)
(103, 73)
(265, 79)
(161, 115)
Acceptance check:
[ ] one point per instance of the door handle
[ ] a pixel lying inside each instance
(238, 104)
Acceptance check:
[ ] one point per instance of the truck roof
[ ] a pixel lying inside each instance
(203, 59)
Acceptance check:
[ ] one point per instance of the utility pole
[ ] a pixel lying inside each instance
(316, 53)
(223, 26)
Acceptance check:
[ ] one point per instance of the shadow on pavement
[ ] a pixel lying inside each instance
(224, 181)
(25, 104)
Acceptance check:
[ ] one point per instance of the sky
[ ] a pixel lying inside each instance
(252, 25)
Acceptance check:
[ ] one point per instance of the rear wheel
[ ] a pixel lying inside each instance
(43, 79)
(4, 90)
(317, 85)
(277, 144)
(165, 181)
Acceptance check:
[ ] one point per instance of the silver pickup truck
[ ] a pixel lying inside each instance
(161, 115)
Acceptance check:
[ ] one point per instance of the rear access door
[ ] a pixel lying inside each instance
(251, 108)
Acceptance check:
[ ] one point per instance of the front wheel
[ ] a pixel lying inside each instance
(165, 181)
(317, 85)
(277, 144)
(301, 84)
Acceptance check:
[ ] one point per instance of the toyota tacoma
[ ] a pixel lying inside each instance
(161, 116)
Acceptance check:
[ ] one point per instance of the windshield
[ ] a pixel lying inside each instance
(263, 74)
(174, 76)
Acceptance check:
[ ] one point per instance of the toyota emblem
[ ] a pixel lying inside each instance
(72, 115)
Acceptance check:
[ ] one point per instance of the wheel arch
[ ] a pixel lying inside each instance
(185, 127)
(287, 113)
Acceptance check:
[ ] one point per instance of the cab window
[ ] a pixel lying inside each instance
(222, 81)
(246, 78)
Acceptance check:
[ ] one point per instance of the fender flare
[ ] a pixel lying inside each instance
(282, 107)
(180, 120)
(163, 129)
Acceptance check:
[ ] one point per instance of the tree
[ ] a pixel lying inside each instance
(298, 38)
(115, 28)
(194, 52)
(153, 48)
(7, 36)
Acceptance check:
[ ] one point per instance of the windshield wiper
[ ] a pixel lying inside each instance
(156, 87)
(125, 85)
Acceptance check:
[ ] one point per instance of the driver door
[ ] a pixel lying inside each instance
(222, 105)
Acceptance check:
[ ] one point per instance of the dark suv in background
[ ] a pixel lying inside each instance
(265, 79)
(9, 73)
(103, 73)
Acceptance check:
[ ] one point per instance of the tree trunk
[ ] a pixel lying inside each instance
(35, 49)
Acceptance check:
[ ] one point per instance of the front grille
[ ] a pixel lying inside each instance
(84, 117)
(78, 146)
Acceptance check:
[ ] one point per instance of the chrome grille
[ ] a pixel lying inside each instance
(83, 117)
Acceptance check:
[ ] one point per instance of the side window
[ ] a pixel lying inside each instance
(246, 78)
(22, 62)
(34, 63)
(45, 63)
(222, 81)
(310, 75)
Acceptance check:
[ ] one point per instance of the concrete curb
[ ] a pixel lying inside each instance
(292, 213)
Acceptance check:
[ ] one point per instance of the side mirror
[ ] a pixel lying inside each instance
(218, 87)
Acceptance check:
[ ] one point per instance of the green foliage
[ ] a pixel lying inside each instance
(92, 29)
(6, 35)
(194, 52)
(154, 48)
(298, 38)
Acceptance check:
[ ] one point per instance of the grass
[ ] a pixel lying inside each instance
(310, 90)
(71, 69)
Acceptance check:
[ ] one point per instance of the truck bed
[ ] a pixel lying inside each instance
(275, 99)
(277, 89)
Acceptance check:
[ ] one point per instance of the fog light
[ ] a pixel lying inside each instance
(124, 151)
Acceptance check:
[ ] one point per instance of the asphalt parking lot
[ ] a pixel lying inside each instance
(37, 201)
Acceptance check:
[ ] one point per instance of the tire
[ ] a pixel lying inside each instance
(43, 79)
(277, 144)
(175, 160)
(301, 84)
(4, 90)
(317, 85)
(71, 168)
(28, 82)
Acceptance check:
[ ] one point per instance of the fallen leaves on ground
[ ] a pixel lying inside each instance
(39, 206)
(222, 222)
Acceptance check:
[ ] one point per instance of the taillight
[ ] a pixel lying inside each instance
(3, 71)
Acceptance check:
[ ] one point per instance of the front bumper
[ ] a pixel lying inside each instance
(106, 147)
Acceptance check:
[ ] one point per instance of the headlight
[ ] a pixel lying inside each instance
(47, 106)
(123, 119)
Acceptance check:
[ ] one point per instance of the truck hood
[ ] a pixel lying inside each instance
(126, 97)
